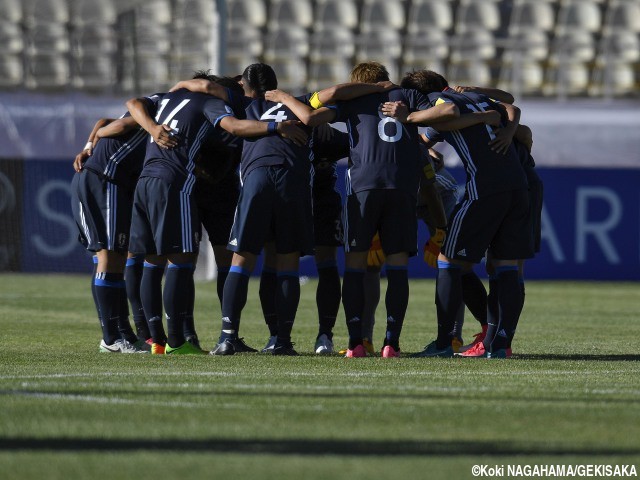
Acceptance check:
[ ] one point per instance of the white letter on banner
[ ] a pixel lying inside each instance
(549, 234)
(41, 200)
(599, 230)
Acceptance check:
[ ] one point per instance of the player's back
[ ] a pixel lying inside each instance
(487, 171)
(192, 118)
(384, 152)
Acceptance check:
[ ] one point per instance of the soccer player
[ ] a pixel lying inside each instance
(382, 184)
(492, 215)
(106, 173)
(165, 225)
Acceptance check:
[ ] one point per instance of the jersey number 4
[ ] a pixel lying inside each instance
(279, 116)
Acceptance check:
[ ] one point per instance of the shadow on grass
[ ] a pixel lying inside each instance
(579, 357)
(306, 447)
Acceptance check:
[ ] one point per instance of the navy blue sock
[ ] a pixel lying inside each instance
(233, 301)
(176, 295)
(474, 295)
(124, 326)
(133, 279)
(371, 301)
(268, 288)
(93, 286)
(521, 306)
(396, 301)
(448, 301)
(328, 297)
(287, 299)
(493, 311)
(509, 295)
(222, 278)
(108, 287)
(151, 296)
(188, 325)
(353, 303)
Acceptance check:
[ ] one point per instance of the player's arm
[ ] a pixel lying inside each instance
(348, 91)
(202, 85)
(495, 93)
(254, 128)
(504, 135)
(86, 152)
(440, 113)
(524, 136)
(490, 117)
(117, 127)
(307, 115)
(162, 134)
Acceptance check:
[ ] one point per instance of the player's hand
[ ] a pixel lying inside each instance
(277, 96)
(291, 129)
(461, 89)
(501, 142)
(163, 136)
(432, 248)
(78, 163)
(387, 85)
(376, 256)
(437, 159)
(492, 117)
(397, 110)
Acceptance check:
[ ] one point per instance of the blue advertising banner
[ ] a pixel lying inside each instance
(590, 224)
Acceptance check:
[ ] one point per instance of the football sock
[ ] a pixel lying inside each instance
(268, 287)
(353, 303)
(328, 296)
(93, 286)
(287, 299)
(371, 301)
(448, 301)
(474, 295)
(222, 277)
(521, 306)
(133, 279)
(233, 301)
(108, 287)
(151, 296)
(509, 295)
(176, 295)
(124, 326)
(493, 311)
(396, 301)
(188, 326)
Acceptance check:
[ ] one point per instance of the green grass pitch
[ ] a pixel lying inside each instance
(570, 395)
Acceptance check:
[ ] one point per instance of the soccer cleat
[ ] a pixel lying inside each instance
(456, 344)
(432, 350)
(157, 349)
(324, 345)
(477, 351)
(389, 352)
(509, 352)
(368, 346)
(149, 341)
(185, 349)
(120, 346)
(477, 338)
(500, 353)
(231, 346)
(142, 345)
(193, 340)
(271, 343)
(285, 349)
(358, 352)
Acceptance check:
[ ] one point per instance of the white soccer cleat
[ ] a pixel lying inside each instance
(324, 345)
(271, 343)
(121, 346)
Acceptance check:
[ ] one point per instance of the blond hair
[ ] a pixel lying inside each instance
(369, 72)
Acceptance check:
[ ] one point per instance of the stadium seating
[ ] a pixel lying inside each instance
(243, 13)
(51, 11)
(437, 14)
(286, 42)
(11, 11)
(477, 14)
(331, 71)
(335, 13)
(94, 72)
(11, 71)
(382, 14)
(47, 71)
(92, 12)
(528, 15)
(11, 37)
(290, 13)
(332, 42)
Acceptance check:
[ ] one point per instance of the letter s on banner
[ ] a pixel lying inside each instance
(65, 220)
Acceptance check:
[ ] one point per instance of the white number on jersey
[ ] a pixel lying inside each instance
(280, 115)
(169, 120)
(381, 128)
(480, 107)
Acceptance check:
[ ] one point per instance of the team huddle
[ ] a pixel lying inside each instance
(256, 167)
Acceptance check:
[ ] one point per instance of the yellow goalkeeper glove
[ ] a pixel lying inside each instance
(376, 256)
(433, 246)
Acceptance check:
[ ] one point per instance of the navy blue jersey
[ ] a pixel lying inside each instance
(193, 118)
(487, 171)
(329, 146)
(119, 159)
(384, 152)
(272, 149)
(526, 160)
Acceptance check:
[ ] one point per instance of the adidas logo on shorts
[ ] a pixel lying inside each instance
(462, 253)
(234, 242)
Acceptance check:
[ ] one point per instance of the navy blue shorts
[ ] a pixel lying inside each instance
(102, 211)
(165, 219)
(327, 217)
(274, 204)
(498, 222)
(392, 213)
(217, 206)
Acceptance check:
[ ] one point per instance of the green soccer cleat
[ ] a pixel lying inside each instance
(431, 351)
(185, 349)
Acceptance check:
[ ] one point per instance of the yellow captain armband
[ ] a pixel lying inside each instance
(428, 171)
(315, 102)
(440, 101)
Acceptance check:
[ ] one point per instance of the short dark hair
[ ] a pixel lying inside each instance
(425, 81)
(230, 83)
(260, 77)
